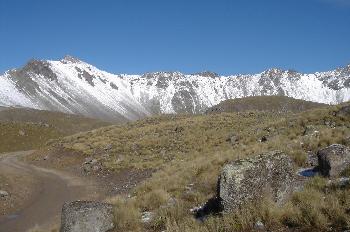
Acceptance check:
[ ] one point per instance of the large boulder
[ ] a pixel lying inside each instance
(344, 112)
(271, 174)
(87, 216)
(333, 160)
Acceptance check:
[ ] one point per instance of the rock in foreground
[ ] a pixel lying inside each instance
(333, 160)
(249, 179)
(344, 112)
(87, 216)
(3, 194)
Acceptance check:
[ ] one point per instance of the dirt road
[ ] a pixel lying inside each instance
(52, 189)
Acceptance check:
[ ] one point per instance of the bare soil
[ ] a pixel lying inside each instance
(37, 198)
(40, 182)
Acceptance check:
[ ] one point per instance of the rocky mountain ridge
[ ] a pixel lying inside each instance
(73, 86)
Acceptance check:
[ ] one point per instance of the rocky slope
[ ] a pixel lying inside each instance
(73, 86)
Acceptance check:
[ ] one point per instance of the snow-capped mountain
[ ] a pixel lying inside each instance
(73, 86)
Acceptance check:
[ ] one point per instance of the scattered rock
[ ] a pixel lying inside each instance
(44, 125)
(87, 216)
(96, 168)
(179, 129)
(259, 226)
(347, 141)
(329, 123)
(108, 147)
(147, 217)
(87, 168)
(233, 139)
(3, 194)
(250, 179)
(172, 201)
(90, 160)
(21, 133)
(91, 164)
(309, 130)
(344, 181)
(333, 160)
(263, 139)
(311, 159)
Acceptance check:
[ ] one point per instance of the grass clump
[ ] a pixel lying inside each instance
(127, 215)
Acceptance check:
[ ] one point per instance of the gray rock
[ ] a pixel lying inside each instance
(21, 133)
(3, 194)
(87, 168)
(344, 181)
(344, 112)
(87, 216)
(333, 160)
(108, 147)
(330, 123)
(311, 159)
(91, 164)
(233, 139)
(147, 217)
(250, 179)
(347, 141)
(310, 130)
(259, 226)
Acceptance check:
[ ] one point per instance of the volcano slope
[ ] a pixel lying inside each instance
(185, 154)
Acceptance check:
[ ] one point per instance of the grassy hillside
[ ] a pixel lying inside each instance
(187, 153)
(24, 129)
(264, 103)
(153, 142)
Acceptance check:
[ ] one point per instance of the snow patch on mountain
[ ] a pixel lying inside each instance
(10, 95)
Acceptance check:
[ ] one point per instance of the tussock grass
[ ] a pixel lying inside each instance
(127, 215)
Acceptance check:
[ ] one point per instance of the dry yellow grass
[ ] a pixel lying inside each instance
(188, 152)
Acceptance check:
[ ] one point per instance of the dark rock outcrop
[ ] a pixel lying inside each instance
(207, 74)
(333, 160)
(87, 216)
(270, 174)
(344, 112)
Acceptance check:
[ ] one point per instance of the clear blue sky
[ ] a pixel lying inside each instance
(136, 36)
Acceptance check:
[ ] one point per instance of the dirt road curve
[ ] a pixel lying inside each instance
(43, 207)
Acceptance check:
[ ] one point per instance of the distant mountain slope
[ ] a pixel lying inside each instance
(73, 86)
(280, 104)
(70, 86)
(24, 129)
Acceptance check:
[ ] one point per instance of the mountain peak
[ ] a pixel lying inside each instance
(207, 74)
(70, 59)
(274, 71)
